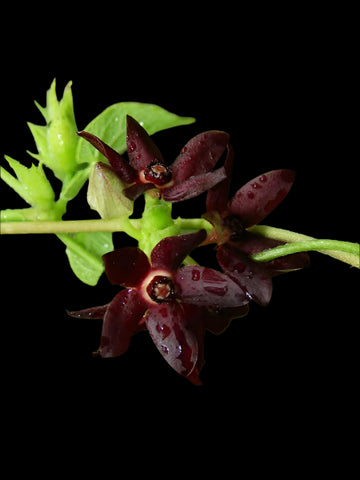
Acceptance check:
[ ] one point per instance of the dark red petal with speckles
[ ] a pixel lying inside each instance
(208, 287)
(252, 277)
(141, 149)
(199, 155)
(170, 252)
(122, 168)
(256, 199)
(193, 186)
(121, 322)
(127, 266)
(170, 331)
(217, 197)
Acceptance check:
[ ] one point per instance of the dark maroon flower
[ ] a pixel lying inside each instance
(175, 304)
(251, 204)
(188, 176)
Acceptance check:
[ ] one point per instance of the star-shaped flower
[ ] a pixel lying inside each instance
(174, 304)
(250, 204)
(188, 176)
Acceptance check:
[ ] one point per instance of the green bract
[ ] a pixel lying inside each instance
(105, 193)
(57, 140)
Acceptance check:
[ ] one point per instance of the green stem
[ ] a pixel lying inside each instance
(347, 252)
(69, 226)
(189, 225)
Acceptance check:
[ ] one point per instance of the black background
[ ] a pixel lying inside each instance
(282, 84)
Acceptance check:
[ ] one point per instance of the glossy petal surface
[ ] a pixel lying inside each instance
(207, 287)
(122, 168)
(127, 266)
(199, 155)
(193, 186)
(170, 252)
(252, 277)
(172, 335)
(256, 199)
(141, 149)
(217, 197)
(121, 321)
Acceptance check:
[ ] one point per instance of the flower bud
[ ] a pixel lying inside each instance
(106, 193)
(56, 142)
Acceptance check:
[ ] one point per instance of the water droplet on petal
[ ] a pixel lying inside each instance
(250, 195)
(195, 275)
(131, 146)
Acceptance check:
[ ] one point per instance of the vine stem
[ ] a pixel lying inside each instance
(346, 252)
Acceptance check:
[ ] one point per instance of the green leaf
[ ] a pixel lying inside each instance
(84, 251)
(110, 126)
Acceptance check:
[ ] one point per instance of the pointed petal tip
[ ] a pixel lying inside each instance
(194, 378)
(89, 313)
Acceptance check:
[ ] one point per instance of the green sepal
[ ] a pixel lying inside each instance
(106, 193)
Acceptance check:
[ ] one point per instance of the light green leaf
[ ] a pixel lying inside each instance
(110, 127)
(84, 251)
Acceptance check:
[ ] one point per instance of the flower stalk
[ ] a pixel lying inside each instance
(347, 252)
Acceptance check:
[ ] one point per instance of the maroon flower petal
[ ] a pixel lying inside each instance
(217, 321)
(193, 186)
(92, 312)
(122, 168)
(141, 149)
(173, 337)
(134, 191)
(217, 197)
(255, 200)
(252, 277)
(170, 252)
(207, 287)
(199, 155)
(127, 266)
(251, 244)
(121, 322)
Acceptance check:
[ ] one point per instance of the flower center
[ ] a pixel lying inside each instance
(157, 173)
(235, 225)
(161, 289)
